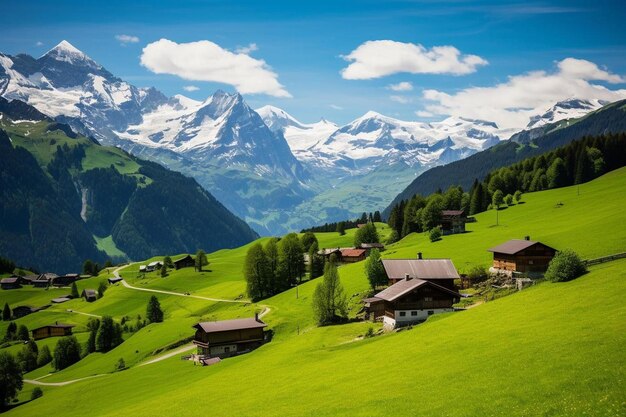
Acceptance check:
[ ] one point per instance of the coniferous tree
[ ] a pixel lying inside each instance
(476, 200)
(22, 333)
(431, 215)
(88, 267)
(290, 260)
(27, 357)
(316, 262)
(167, 262)
(307, 239)
(154, 314)
(557, 174)
(92, 325)
(6, 312)
(377, 216)
(102, 287)
(201, 260)
(66, 352)
(74, 291)
(44, 356)
(11, 331)
(256, 272)
(341, 228)
(273, 278)
(163, 271)
(109, 334)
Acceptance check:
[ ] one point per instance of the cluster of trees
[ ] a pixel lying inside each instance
(366, 234)
(104, 335)
(7, 266)
(280, 264)
(579, 161)
(93, 268)
(16, 333)
(330, 303)
(340, 227)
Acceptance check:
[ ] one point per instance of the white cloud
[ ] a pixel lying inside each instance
(39, 43)
(375, 59)
(124, 39)
(423, 113)
(190, 88)
(400, 99)
(510, 104)
(207, 61)
(402, 86)
(336, 107)
(247, 49)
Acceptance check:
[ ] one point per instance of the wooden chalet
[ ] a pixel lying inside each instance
(410, 301)
(29, 279)
(186, 261)
(369, 246)
(453, 221)
(351, 255)
(229, 337)
(44, 280)
(64, 280)
(327, 253)
(12, 283)
(439, 271)
(52, 330)
(89, 295)
(153, 266)
(525, 256)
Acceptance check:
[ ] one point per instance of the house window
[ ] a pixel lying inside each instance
(227, 349)
(414, 313)
(430, 312)
(402, 313)
(428, 298)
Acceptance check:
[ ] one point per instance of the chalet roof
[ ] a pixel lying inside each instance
(70, 276)
(420, 268)
(327, 252)
(30, 277)
(227, 325)
(405, 286)
(452, 213)
(372, 245)
(89, 293)
(371, 300)
(11, 280)
(352, 253)
(155, 263)
(55, 326)
(514, 246)
(113, 280)
(47, 276)
(60, 300)
(182, 258)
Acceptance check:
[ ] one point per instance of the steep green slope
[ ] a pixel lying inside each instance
(554, 349)
(139, 208)
(608, 119)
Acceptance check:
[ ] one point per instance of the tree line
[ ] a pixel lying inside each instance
(341, 226)
(578, 162)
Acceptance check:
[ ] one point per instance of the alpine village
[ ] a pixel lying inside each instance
(174, 243)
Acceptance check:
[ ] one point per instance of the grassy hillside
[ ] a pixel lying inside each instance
(554, 349)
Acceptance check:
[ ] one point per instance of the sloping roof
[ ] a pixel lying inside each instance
(326, 252)
(155, 263)
(451, 213)
(89, 293)
(182, 258)
(371, 300)
(371, 245)
(11, 280)
(60, 300)
(56, 326)
(514, 246)
(405, 286)
(47, 276)
(227, 325)
(352, 253)
(420, 268)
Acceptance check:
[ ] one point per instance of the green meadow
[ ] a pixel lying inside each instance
(553, 349)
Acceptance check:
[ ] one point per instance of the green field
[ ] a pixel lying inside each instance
(554, 349)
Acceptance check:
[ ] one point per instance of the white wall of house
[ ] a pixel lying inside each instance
(404, 317)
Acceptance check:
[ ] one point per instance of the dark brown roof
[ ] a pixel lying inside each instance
(371, 300)
(405, 286)
(420, 268)
(452, 213)
(55, 326)
(89, 293)
(182, 258)
(11, 280)
(514, 246)
(352, 253)
(227, 325)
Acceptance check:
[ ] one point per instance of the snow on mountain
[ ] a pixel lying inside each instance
(566, 109)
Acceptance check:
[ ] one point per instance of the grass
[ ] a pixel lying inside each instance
(107, 245)
(553, 349)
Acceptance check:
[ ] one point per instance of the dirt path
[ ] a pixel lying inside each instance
(175, 352)
(69, 310)
(60, 384)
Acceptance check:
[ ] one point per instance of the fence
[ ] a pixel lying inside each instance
(604, 259)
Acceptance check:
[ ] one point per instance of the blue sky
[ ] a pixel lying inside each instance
(305, 43)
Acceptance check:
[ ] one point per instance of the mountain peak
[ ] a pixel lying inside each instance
(66, 52)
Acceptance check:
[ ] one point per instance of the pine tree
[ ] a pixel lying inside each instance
(377, 216)
(557, 174)
(167, 261)
(109, 334)
(102, 287)
(66, 352)
(154, 314)
(201, 260)
(22, 333)
(341, 228)
(92, 325)
(307, 239)
(6, 312)
(290, 260)
(75, 291)
(431, 215)
(44, 356)
(88, 267)
(271, 254)
(163, 270)
(256, 272)
(476, 200)
(316, 262)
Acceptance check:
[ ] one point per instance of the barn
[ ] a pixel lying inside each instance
(439, 271)
(186, 261)
(52, 330)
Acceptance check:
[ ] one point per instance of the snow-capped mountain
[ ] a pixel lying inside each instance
(566, 109)
(375, 139)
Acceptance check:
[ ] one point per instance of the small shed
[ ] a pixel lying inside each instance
(52, 330)
(64, 280)
(143, 268)
(229, 337)
(350, 255)
(453, 221)
(522, 255)
(89, 295)
(153, 266)
(60, 300)
(115, 280)
(186, 261)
